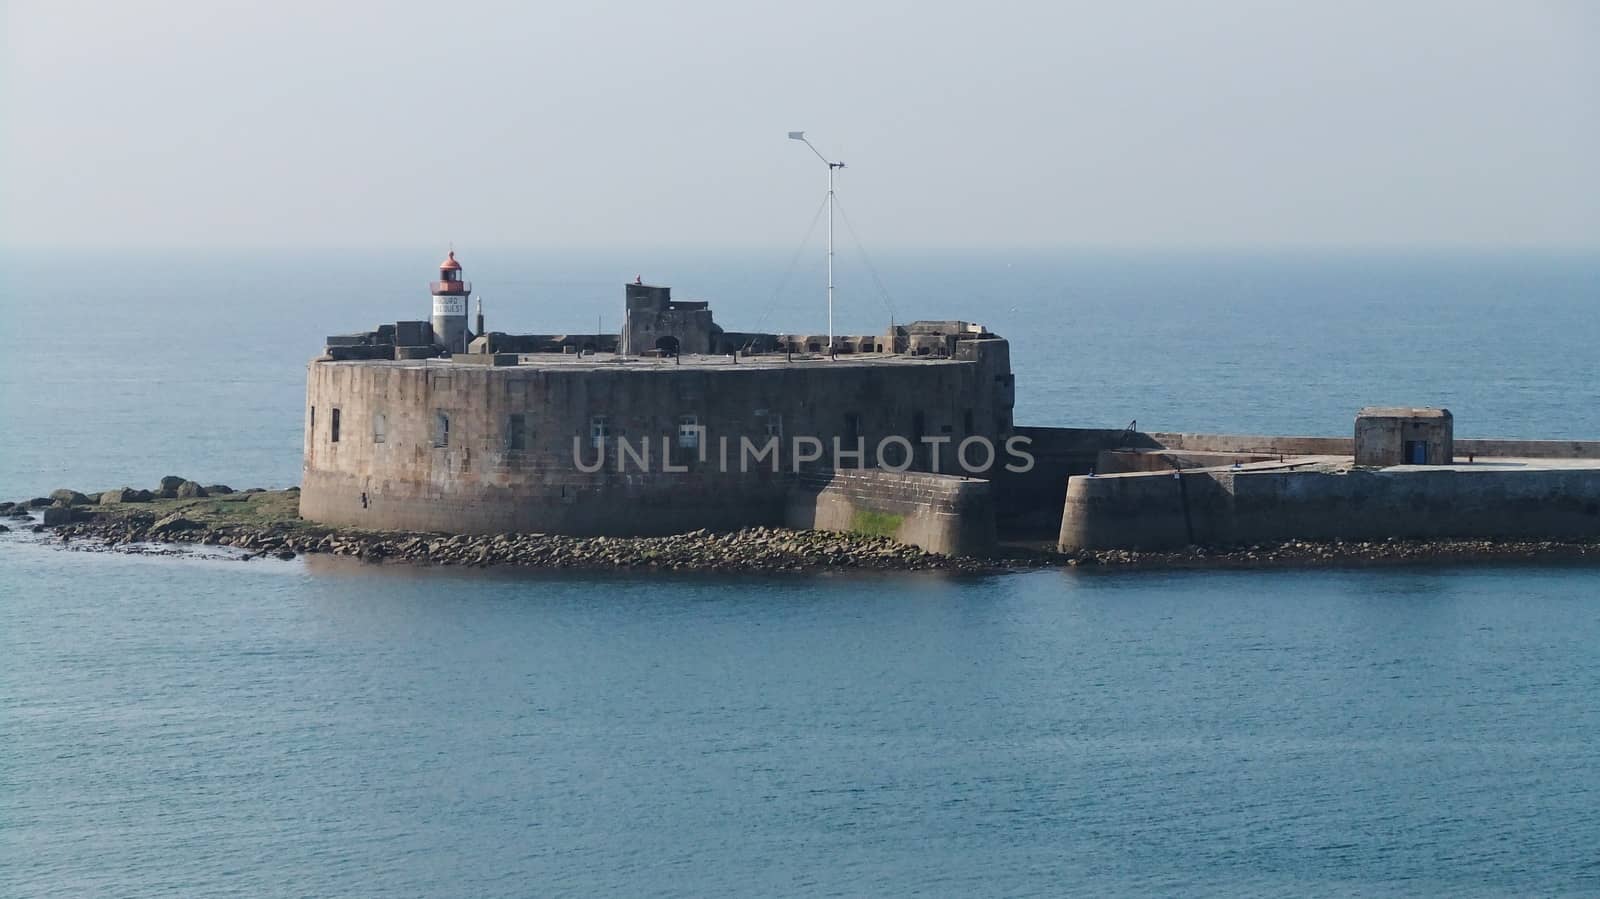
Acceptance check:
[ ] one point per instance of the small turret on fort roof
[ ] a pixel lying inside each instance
(653, 322)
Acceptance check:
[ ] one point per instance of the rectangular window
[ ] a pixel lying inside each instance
(380, 427)
(333, 426)
(441, 429)
(517, 433)
(688, 432)
(313, 420)
(599, 430)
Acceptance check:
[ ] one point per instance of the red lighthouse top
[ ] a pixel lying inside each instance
(450, 283)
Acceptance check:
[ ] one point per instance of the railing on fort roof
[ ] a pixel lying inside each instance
(447, 287)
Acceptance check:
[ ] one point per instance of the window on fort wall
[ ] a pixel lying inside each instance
(333, 427)
(380, 427)
(599, 430)
(517, 433)
(441, 429)
(313, 427)
(688, 432)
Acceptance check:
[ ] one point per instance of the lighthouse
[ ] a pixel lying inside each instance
(450, 295)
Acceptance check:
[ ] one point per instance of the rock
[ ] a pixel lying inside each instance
(286, 555)
(173, 524)
(138, 496)
(6, 507)
(4, 529)
(119, 495)
(190, 490)
(39, 502)
(218, 490)
(172, 482)
(256, 490)
(67, 497)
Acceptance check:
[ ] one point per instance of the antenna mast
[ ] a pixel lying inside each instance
(801, 136)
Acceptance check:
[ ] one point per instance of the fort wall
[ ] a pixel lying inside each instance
(436, 446)
(1231, 507)
(939, 513)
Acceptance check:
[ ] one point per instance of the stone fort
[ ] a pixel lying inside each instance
(665, 427)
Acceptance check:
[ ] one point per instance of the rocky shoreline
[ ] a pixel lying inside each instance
(1338, 554)
(260, 523)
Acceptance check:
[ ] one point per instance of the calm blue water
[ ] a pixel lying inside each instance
(188, 727)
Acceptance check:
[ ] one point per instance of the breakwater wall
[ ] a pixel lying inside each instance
(1030, 503)
(938, 513)
(1277, 502)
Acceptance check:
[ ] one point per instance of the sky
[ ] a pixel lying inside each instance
(592, 124)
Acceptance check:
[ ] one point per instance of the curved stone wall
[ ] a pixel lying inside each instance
(438, 446)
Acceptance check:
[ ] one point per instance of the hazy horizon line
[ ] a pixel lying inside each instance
(465, 249)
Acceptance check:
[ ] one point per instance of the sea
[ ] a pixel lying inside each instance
(194, 726)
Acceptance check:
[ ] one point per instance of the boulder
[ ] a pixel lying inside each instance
(172, 482)
(138, 496)
(6, 507)
(118, 495)
(67, 497)
(38, 502)
(4, 529)
(174, 523)
(190, 490)
(218, 489)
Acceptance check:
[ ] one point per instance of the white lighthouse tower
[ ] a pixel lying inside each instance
(450, 295)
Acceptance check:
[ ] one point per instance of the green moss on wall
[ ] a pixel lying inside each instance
(875, 524)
